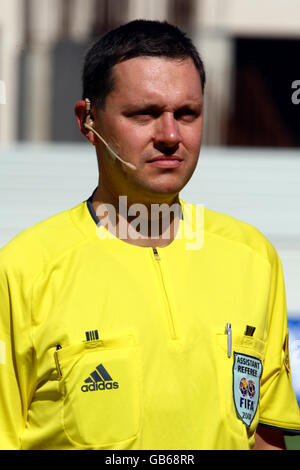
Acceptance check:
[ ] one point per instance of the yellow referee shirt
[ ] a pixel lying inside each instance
(107, 345)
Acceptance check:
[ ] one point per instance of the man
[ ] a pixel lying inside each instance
(124, 335)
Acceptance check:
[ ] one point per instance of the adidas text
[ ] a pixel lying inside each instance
(99, 386)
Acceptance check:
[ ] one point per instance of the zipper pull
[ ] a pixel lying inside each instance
(156, 255)
(58, 347)
(228, 332)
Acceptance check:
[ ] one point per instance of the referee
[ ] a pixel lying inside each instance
(136, 320)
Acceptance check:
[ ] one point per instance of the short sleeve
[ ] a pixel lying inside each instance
(278, 403)
(16, 361)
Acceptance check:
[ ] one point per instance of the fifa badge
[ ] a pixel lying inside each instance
(247, 371)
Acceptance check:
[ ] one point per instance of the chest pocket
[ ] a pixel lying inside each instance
(99, 382)
(239, 379)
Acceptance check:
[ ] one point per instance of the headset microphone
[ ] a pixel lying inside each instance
(88, 125)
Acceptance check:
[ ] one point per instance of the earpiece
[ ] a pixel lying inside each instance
(87, 118)
(88, 124)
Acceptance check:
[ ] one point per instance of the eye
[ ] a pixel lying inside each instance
(186, 114)
(148, 113)
(143, 114)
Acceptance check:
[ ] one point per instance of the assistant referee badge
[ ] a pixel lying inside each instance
(247, 371)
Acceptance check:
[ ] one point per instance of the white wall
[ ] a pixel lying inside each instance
(11, 38)
(250, 17)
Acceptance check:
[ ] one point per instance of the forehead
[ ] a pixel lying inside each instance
(156, 78)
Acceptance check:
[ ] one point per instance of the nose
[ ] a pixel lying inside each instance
(167, 134)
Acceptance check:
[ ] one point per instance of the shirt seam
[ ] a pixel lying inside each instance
(280, 424)
(29, 397)
(244, 245)
(54, 259)
(247, 226)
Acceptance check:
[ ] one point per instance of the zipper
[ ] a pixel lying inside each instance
(156, 255)
(169, 310)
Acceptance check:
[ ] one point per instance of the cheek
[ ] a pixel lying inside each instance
(134, 139)
(193, 137)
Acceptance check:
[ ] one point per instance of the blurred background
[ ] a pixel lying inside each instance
(250, 160)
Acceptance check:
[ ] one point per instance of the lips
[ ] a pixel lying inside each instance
(163, 162)
(163, 158)
(173, 161)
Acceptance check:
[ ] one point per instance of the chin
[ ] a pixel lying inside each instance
(162, 187)
(164, 192)
(170, 187)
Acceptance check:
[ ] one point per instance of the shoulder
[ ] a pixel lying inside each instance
(225, 230)
(36, 246)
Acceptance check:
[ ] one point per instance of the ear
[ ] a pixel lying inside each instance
(80, 114)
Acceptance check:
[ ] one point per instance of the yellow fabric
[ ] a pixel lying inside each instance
(154, 323)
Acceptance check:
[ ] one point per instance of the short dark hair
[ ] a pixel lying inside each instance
(134, 39)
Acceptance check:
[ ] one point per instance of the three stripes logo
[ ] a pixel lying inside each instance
(91, 335)
(99, 379)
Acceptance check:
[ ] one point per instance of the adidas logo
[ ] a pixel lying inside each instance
(99, 379)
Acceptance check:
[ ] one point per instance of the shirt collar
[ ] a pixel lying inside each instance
(94, 215)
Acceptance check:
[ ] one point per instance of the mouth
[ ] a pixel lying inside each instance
(162, 161)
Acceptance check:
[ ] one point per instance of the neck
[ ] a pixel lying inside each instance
(138, 222)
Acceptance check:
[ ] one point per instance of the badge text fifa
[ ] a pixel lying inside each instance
(247, 372)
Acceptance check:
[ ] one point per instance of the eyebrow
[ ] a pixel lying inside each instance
(150, 106)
